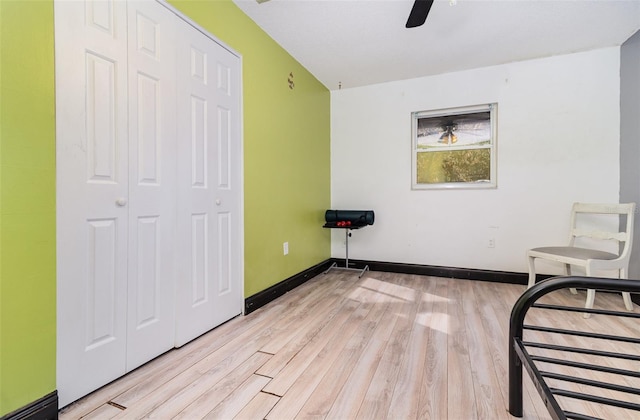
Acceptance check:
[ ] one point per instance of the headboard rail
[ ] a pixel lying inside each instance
(540, 368)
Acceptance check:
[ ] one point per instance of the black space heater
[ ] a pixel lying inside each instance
(348, 220)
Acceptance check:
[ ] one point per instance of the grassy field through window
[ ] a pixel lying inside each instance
(472, 165)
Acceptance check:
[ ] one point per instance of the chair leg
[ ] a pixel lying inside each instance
(591, 294)
(591, 297)
(532, 272)
(567, 272)
(626, 296)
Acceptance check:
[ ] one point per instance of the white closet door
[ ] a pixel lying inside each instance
(143, 148)
(228, 292)
(209, 287)
(91, 136)
(152, 181)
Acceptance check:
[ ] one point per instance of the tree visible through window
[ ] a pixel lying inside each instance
(454, 147)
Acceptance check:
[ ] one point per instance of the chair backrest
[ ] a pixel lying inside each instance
(621, 235)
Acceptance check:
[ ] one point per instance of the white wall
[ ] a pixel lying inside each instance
(629, 134)
(558, 142)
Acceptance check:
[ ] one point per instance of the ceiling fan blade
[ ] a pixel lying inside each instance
(419, 13)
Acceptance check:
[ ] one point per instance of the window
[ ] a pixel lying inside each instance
(454, 147)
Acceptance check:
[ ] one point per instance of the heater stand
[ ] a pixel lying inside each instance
(347, 234)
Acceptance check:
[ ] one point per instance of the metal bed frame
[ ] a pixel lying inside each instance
(519, 355)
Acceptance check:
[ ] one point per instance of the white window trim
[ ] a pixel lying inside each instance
(493, 116)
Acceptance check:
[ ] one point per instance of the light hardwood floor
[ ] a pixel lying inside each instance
(388, 345)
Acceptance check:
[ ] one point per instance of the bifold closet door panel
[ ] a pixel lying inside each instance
(152, 181)
(228, 293)
(92, 181)
(208, 289)
(148, 189)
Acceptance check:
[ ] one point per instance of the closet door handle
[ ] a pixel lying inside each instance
(218, 201)
(121, 202)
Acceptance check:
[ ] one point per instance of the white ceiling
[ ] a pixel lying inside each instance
(362, 42)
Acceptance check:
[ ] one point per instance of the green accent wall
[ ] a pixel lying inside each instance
(286, 149)
(27, 204)
(286, 177)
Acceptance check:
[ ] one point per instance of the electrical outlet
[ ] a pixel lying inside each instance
(285, 248)
(491, 243)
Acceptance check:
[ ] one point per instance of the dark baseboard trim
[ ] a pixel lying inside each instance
(453, 272)
(448, 272)
(46, 408)
(267, 295)
(262, 298)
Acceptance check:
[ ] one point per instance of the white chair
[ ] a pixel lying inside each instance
(591, 259)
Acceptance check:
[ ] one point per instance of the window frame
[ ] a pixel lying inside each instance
(492, 183)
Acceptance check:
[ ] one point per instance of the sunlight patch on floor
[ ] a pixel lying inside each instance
(377, 291)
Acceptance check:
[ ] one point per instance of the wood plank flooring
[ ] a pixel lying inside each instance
(388, 345)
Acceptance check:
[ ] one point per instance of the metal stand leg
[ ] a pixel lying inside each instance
(347, 233)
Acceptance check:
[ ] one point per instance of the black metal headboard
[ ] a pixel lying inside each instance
(519, 350)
